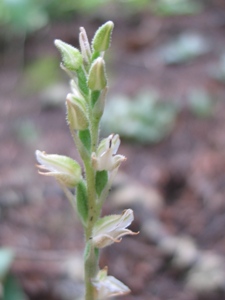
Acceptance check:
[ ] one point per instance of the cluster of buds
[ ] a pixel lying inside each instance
(85, 105)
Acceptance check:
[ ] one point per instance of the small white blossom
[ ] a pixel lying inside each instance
(66, 170)
(108, 286)
(110, 229)
(106, 157)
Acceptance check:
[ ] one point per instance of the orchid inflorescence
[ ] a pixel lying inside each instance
(85, 106)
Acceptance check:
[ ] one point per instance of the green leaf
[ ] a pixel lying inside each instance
(82, 201)
(101, 180)
(6, 258)
(85, 138)
(12, 289)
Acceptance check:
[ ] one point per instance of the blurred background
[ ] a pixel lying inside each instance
(166, 71)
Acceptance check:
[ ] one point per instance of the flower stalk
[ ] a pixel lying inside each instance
(85, 105)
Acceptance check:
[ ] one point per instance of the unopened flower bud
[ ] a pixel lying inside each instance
(97, 80)
(84, 45)
(66, 170)
(71, 57)
(76, 113)
(102, 38)
(108, 286)
(106, 158)
(110, 229)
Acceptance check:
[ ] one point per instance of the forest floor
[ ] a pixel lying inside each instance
(176, 187)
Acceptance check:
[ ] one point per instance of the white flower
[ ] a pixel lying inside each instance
(108, 286)
(110, 229)
(106, 158)
(66, 170)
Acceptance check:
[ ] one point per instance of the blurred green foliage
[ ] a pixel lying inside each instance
(176, 7)
(145, 119)
(21, 16)
(6, 258)
(29, 15)
(40, 74)
(201, 103)
(25, 16)
(186, 47)
(9, 287)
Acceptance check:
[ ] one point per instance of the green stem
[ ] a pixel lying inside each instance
(91, 269)
(95, 134)
(91, 261)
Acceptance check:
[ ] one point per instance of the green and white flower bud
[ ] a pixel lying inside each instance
(108, 286)
(84, 45)
(76, 113)
(106, 158)
(65, 170)
(102, 38)
(97, 80)
(110, 229)
(71, 57)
